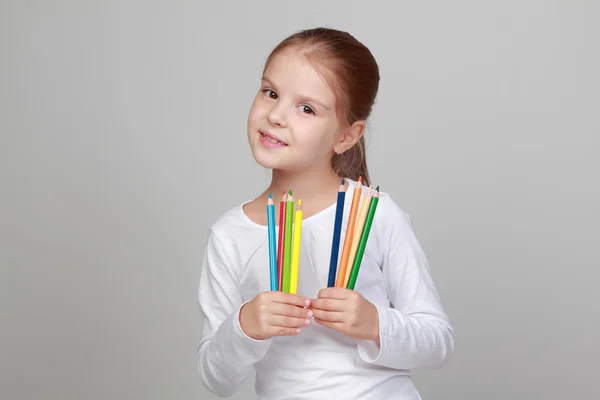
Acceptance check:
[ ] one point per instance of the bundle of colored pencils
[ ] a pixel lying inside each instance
(357, 235)
(284, 252)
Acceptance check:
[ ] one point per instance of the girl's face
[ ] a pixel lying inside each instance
(293, 123)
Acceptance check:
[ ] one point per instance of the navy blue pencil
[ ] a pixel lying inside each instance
(335, 247)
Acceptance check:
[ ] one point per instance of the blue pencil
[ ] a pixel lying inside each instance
(335, 246)
(272, 243)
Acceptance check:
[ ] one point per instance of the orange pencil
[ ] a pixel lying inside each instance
(360, 223)
(349, 234)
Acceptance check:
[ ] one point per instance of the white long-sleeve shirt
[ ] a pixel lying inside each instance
(321, 363)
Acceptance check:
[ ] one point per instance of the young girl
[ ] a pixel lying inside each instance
(306, 124)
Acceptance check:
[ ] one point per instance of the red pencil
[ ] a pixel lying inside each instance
(280, 242)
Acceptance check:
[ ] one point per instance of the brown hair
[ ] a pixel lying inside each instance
(353, 74)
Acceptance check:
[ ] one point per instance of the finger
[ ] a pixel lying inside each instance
(334, 293)
(290, 311)
(332, 325)
(289, 298)
(283, 331)
(281, 321)
(329, 316)
(328, 304)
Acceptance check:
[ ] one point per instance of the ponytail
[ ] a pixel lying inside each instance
(352, 163)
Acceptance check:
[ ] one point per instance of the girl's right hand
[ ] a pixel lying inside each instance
(275, 313)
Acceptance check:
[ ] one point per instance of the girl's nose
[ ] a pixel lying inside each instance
(276, 116)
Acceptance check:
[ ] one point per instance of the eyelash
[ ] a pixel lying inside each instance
(266, 92)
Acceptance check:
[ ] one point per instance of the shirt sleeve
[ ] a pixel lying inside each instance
(226, 355)
(414, 331)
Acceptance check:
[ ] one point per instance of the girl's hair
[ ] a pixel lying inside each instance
(353, 74)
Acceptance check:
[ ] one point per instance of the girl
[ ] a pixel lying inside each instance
(306, 124)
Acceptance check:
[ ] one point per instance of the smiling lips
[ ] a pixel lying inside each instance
(271, 141)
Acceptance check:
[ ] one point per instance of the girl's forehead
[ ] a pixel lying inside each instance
(291, 71)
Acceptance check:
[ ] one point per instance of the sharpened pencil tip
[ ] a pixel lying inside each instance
(377, 188)
(342, 182)
(290, 192)
(360, 179)
(270, 196)
(299, 202)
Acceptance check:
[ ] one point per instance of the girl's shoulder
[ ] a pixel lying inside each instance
(235, 234)
(391, 230)
(234, 220)
(389, 215)
(389, 211)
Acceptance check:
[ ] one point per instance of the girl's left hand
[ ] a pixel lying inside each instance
(347, 312)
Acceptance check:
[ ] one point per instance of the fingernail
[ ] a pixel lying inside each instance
(309, 314)
(297, 330)
(307, 322)
(307, 302)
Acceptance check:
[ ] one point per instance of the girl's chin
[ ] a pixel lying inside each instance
(268, 161)
(279, 161)
(274, 163)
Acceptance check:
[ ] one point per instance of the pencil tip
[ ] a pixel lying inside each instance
(290, 192)
(377, 188)
(299, 202)
(270, 196)
(342, 181)
(360, 179)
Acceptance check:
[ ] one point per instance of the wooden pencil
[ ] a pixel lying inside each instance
(337, 228)
(360, 223)
(280, 242)
(287, 242)
(272, 243)
(294, 269)
(363, 240)
(349, 234)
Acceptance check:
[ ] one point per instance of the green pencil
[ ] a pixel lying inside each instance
(287, 244)
(363, 240)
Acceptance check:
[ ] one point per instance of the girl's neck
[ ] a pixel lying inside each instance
(317, 189)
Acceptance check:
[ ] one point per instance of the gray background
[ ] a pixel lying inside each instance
(123, 131)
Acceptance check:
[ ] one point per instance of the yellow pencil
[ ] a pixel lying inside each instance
(360, 223)
(296, 249)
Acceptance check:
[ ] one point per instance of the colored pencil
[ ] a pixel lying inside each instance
(272, 242)
(287, 242)
(363, 240)
(296, 249)
(335, 246)
(280, 242)
(360, 223)
(349, 234)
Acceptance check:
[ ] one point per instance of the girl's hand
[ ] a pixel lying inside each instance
(274, 313)
(347, 312)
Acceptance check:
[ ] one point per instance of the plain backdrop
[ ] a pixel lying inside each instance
(123, 137)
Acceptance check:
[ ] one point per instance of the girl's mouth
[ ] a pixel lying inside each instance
(270, 141)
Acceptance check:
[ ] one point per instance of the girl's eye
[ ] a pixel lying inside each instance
(307, 110)
(270, 94)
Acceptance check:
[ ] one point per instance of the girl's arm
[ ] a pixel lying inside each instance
(414, 331)
(226, 354)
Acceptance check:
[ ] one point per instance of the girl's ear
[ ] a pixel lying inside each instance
(350, 137)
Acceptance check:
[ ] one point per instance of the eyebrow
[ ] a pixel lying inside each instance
(304, 98)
